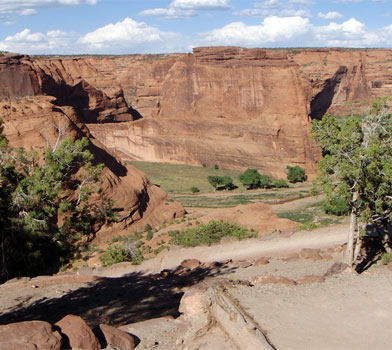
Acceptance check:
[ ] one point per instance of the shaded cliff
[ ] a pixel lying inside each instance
(33, 119)
(230, 106)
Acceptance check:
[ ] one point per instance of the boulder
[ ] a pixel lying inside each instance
(190, 263)
(270, 279)
(80, 335)
(29, 335)
(261, 261)
(117, 338)
(311, 279)
(309, 253)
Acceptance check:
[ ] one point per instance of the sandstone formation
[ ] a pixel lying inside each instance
(79, 334)
(230, 106)
(29, 335)
(41, 101)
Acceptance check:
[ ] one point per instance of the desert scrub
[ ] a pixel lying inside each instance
(208, 233)
(120, 253)
(386, 258)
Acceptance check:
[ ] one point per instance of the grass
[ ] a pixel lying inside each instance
(277, 196)
(178, 178)
(311, 216)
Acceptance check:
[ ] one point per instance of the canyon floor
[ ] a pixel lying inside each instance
(345, 311)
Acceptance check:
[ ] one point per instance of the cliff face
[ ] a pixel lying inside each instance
(230, 106)
(33, 120)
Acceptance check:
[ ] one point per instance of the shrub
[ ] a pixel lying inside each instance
(194, 189)
(149, 235)
(296, 174)
(120, 253)
(281, 183)
(204, 165)
(337, 206)
(265, 181)
(216, 166)
(208, 233)
(386, 258)
(250, 178)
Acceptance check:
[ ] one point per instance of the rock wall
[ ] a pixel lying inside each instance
(230, 106)
(33, 120)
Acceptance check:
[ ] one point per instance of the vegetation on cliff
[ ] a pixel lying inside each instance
(46, 213)
(357, 170)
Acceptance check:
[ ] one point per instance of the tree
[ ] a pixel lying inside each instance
(214, 181)
(250, 178)
(44, 205)
(225, 182)
(357, 169)
(265, 181)
(296, 174)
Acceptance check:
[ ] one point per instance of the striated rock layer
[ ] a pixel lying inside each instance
(33, 120)
(235, 107)
(238, 107)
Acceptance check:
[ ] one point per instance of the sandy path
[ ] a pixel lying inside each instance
(247, 249)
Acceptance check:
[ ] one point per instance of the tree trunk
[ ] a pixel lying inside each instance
(352, 234)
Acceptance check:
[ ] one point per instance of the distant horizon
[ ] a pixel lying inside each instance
(106, 27)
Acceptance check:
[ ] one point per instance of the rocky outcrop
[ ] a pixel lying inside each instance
(239, 108)
(33, 120)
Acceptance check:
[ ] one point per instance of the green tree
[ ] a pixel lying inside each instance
(250, 178)
(357, 168)
(266, 181)
(214, 181)
(296, 174)
(221, 182)
(44, 205)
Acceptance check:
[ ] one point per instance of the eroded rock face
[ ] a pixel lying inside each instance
(239, 108)
(32, 120)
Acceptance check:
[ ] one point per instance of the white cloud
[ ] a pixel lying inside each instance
(330, 15)
(297, 31)
(29, 7)
(54, 41)
(169, 13)
(201, 4)
(126, 36)
(276, 8)
(187, 8)
(272, 30)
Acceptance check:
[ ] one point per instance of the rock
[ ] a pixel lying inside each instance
(79, 334)
(261, 261)
(336, 268)
(269, 279)
(190, 263)
(242, 263)
(192, 302)
(311, 279)
(117, 338)
(29, 335)
(308, 253)
(327, 256)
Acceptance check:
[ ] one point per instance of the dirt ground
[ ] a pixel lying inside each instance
(347, 311)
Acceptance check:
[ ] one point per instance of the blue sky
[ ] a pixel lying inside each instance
(159, 26)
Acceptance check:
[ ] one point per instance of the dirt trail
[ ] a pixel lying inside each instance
(268, 246)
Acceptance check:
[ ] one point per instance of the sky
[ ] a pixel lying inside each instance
(160, 26)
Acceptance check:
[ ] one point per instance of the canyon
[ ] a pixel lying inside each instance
(234, 107)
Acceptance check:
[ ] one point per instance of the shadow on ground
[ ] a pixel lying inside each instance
(119, 301)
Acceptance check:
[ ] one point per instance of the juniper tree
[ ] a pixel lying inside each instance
(357, 168)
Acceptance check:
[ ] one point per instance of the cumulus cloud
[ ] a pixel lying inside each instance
(298, 31)
(330, 15)
(277, 8)
(187, 8)
(169, 13)
(272, 30)
(128, 35)
(201, 4)
(29, 7)
(54, 41)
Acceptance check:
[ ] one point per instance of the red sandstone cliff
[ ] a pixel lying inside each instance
(235, 107)
(33, 120)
